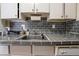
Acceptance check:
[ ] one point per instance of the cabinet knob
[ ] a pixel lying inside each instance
(36, 9)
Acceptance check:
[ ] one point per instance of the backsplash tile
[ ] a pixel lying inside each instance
(40, 26)
(72, 26)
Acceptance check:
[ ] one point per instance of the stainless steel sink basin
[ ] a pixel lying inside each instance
(32, 37)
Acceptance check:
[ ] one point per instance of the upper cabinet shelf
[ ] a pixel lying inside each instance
(9, 10)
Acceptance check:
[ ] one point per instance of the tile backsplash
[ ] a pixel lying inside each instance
(72, 26)
(40, 26)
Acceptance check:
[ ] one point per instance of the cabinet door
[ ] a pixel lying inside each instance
(70, 10)
(42, 7)
(8, 10)
(20, 50)
(56, 11)
(26, 7)
(3, 50)
(68, 51)
(77, 12)
(43, 50)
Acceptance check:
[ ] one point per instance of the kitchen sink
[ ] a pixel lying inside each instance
(32, 37)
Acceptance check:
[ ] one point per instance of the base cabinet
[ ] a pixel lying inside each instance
(67, 51)
(20, 50)
(4, 50)
(43, 50)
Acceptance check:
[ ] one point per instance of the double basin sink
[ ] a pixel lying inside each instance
(32, 37)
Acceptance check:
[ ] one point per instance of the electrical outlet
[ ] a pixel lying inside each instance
(53, 26)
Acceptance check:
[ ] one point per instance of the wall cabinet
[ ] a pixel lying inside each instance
(62, 11)
(56, 11)
(70, 10)
(20, 50)
(42, 7)
(43, 50)
(8, 10)
(34, 7)
(26, 7)
(66, 51)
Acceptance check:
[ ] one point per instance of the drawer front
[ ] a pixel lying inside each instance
(20, 50)
(68, 51)
(43, 50)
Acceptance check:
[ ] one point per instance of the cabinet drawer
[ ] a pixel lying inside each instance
(68, 51)
(20, 50)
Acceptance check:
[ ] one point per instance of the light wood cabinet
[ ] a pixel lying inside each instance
(34, 7)
(56, 11)
(20, 50)
(70, 10)
(62, 11)
(43, 50)
(8, 10)
(26, 7)
(42, 7)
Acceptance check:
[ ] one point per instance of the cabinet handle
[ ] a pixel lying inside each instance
(62, 16)
(66, 16)
(63, 52)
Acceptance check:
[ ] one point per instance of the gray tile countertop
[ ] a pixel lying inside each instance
(52, 38)
(58, 37)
